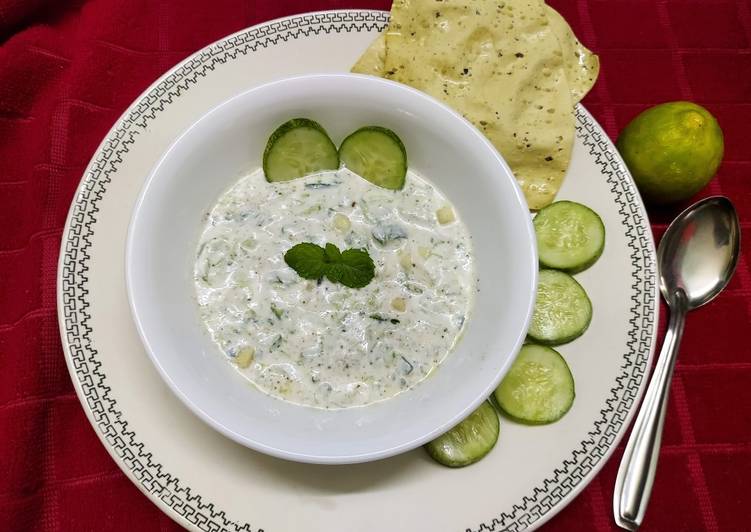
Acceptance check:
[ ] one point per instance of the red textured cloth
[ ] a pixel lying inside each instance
(69, 68)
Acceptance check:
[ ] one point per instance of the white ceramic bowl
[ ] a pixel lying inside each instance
(228, 142)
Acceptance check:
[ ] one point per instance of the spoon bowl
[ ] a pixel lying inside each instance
(699, 251)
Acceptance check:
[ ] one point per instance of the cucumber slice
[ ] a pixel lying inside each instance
(469, 441)
(297, 148)
(377, 154)
(562, 311)
(570, 236)
(539, 387)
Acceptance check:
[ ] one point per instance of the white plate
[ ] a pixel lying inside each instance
(205, 481)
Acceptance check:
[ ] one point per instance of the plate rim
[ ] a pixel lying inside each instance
(356, 20)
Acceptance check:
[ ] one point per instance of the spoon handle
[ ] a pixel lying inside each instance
(633, 485)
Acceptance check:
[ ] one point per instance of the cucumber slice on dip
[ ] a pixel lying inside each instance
(376, 154)
(539, 387)
(562, 311)
(468, 441)
(570, 236)
(297, 148)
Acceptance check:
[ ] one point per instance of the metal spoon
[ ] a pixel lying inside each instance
(696, 259)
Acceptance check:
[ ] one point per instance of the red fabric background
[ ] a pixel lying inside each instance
(69, 68)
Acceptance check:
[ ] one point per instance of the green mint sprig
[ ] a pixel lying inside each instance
(352, 267)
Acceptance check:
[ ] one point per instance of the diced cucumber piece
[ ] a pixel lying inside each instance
(562, 309)
(539, 387)
(469, 441)
(570, 236)
(297, 148)
(377, 154)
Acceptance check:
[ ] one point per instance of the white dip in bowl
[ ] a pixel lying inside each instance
(325, 344)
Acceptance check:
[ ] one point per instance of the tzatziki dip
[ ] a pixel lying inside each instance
(319, 343)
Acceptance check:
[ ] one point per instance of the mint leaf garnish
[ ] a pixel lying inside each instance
(308, 260)
(353, 267)
(334, 272)
(332, 253)
(357, 268)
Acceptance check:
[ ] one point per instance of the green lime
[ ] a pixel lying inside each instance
(672, 150)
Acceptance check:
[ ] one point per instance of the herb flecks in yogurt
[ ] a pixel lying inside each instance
(327, 345)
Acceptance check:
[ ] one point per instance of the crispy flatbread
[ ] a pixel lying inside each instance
(498, 64)
(582, 66)
(373, 60)
(513, 68)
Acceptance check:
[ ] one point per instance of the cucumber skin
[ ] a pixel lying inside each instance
(578, 269)
(533, 423)
(539, 423)
(287, 126)
(380, 129)
(393, 136)
(554, 343)
(590, 262)
(455, 465)
(566, 339)
(463, 463)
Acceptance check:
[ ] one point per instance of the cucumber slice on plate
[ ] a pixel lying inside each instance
(539, 387)
(562, 311)
(297, 148)
(570, 236)
(377, 154)
(469, 441)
